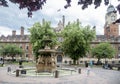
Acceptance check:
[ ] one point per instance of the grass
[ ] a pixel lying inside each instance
(83, 65)
(23, 63)
(1, 65)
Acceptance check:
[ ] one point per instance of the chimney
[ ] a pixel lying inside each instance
(22, 31)
(13, 33)
(63, 19)
(94, 29)
(78, 22)
(43, 21)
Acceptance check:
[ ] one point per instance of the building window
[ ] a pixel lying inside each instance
(21, 46)
(27, 47)
(119, 48)
(26, 55)
(20, 55)
(108, 29)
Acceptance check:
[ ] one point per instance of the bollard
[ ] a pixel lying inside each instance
(17, 72)
(70, 62)
(79, 71)
(9, 69)
(56, 74)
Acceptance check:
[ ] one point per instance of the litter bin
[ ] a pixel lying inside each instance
(20, 66)
(23, 71)
(20, 62)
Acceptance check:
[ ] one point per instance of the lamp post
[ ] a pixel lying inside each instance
(20, 62)
(3, 61)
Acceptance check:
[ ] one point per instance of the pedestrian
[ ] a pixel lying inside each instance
(88, 70)
(91, 63)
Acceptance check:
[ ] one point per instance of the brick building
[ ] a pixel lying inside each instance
(111, 34)
(21, 40)
(111, 30)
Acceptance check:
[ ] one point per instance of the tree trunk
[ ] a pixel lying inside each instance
(36, 59)
(74, 61)
(13, 58)
(106, 61)
(98, 61)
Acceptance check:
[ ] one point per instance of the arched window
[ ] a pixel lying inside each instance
(27, 47)
(59, 58)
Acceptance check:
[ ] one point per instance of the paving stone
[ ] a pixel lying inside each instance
(97, 76)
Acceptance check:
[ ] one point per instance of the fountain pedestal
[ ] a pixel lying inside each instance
(47, 60)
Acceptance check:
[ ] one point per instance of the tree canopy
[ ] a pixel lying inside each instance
(11, 50)
(37, 35)
(77, 40)
(103, 50)
(34, 5)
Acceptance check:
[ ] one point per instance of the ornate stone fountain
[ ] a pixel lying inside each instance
(47, 59)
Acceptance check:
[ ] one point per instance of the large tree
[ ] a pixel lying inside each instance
(38, 33)
(11, 50)
(103, 50)
(77, 40)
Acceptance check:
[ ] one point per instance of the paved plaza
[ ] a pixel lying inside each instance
(96, 76)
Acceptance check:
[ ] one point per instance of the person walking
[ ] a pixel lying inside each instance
(91, 63)
(88, 70)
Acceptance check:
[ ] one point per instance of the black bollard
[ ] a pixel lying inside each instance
(9, 69)
(56, 74)
(17, 72)
(79, 71)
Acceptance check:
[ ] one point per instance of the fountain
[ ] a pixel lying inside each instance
(47, 59)
(47, 62)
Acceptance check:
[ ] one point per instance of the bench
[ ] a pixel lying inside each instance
(110, 66)
(72, 70)
(114, 65)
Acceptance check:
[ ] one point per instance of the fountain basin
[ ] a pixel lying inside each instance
(33, 73)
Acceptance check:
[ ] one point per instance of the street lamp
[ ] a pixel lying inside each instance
(3, 61)
(20, 62)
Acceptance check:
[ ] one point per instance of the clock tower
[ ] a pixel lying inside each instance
(111, 30)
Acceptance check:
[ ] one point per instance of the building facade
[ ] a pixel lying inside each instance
(111, 34)
(21, 41)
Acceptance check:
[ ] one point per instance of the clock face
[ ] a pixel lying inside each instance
(110, 9)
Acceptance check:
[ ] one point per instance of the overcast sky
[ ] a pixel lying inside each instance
(12, 18)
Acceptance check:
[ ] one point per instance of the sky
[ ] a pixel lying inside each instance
(12, 18)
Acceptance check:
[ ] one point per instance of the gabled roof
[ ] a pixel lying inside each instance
(15, 37)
